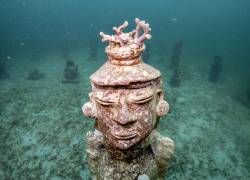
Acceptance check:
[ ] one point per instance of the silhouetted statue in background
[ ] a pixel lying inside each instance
(93, 49)
(215, 69)
(146, 54)
(3, 71)
(248, 94)
(176, 78)
(175, 56)
(35, 74)
(71, 74)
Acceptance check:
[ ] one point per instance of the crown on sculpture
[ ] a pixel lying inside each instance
(126, 48)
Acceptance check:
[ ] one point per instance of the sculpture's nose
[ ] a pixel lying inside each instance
(124, 117)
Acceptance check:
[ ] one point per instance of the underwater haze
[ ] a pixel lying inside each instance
(201, 47)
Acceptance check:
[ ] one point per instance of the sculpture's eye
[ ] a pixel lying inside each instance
(104, 103)
(144, 100)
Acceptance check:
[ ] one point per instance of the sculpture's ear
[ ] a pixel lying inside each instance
(162, 106)
(91, 96)
(160, 94)
(89, 108)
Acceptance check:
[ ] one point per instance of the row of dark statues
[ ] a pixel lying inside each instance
(175, 81)
(214, 71)
(71, 74)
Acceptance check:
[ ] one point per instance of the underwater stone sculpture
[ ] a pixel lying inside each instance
(3, 72)
(127, 102)
(35, 74)
(176, 78)
(93, 49)
(248, 94)
(71, 74)
(215, 69)
(175, 56)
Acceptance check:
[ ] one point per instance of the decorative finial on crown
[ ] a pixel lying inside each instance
(126, 48)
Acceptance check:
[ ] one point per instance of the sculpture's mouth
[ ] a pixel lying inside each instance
(124, 136)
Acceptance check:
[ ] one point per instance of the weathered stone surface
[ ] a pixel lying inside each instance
(127, 102)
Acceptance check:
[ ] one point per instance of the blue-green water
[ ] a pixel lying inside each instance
(42, 129)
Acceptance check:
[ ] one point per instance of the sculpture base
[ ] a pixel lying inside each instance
(151, 160)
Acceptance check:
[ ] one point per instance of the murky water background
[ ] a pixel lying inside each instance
(42, 130)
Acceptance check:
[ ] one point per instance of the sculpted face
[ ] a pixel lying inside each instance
(127, 116)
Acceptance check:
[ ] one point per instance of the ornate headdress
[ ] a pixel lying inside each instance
(125, 66)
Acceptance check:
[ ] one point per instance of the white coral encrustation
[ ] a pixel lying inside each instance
(134, 38)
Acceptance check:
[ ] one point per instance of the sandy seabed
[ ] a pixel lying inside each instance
(42, 129)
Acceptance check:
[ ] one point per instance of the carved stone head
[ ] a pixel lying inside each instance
(127, 98)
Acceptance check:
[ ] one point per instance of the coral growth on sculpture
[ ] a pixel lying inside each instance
(127, 102)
